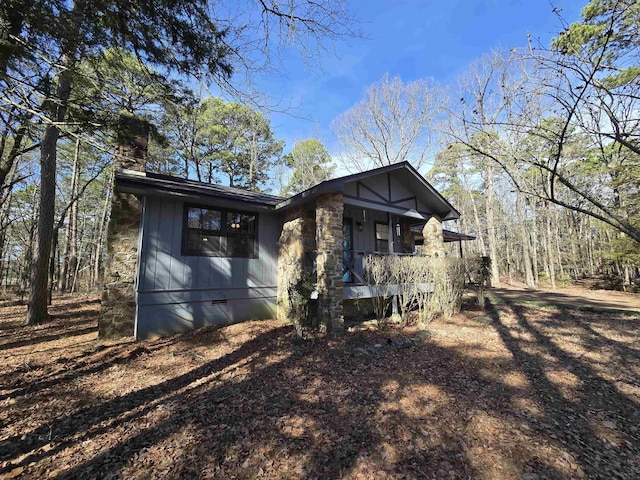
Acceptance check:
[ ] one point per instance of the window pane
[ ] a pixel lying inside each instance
(240, 246)
(193, 216)
(211, 220)
(220, 233)
(382, 231)
(200, 242)
(240, 223)
(382, 237)
(204, 219)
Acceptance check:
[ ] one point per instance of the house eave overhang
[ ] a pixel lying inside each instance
(447, 235)
(448, 212)
(140, 183)
(451, 236)
(404, 212)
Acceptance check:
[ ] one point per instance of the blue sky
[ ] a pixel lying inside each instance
(410, 38)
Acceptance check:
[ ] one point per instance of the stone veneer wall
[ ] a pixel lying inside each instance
(118, 307)
(433, 240)
(329, 236)
(295, 262)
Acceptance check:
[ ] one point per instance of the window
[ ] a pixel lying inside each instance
(219, 233)
(382, 237)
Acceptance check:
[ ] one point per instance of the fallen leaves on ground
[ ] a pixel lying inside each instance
(517, 391)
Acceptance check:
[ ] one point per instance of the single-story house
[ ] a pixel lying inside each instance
(185, 254)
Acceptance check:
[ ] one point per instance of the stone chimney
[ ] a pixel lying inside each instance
(118, 309)
(132, 140)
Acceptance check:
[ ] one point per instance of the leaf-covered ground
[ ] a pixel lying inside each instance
(525, 390)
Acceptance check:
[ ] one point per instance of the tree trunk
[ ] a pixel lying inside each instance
(52, 264)
(28, 254)
(9, 160)
(37, 306)
(491, 229)
(71, 244)
(476, 216)
(549, 248)
(509, 266)
(5, 207)
(100, 236)
(76, 265)
(557, 244)
(592, 263)
(534, 239)
(526, 244)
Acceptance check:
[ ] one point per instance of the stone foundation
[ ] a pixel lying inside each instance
(329, 236)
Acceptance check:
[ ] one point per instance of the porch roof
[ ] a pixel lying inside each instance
(451, 236)
(447, 235)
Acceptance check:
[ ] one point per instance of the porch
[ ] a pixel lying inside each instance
(329, 231)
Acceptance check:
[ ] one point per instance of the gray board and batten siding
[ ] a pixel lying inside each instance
(177, 292)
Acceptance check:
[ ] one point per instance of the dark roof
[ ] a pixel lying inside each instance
(451, 236)
(131, 181)
(337, 185)
(448, 235)
(140, 182)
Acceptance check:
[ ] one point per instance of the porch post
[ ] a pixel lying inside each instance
(394, 300)
(433, 240)
(296, 246)
(329, 237)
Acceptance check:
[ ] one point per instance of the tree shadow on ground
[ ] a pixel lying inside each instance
(240, 425)
(626, 304)
(91, 362)
(275, 407)
(574, 418)
(63, 333)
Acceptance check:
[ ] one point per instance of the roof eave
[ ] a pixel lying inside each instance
(140, 184)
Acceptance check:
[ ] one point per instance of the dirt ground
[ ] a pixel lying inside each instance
(530, 388)
(573, 296)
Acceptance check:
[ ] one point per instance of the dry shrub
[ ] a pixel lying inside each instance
(432, 284)
(404, 273)
(377, 271)
(447, 276)
(479, 271)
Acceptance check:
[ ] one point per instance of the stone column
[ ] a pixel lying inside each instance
(329, 236)
(295, 267)
(433, 239)
(118, 308)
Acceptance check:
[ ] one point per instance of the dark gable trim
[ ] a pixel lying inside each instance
(337, 186)
(205, 193)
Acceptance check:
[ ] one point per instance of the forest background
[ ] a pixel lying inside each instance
(537, 147)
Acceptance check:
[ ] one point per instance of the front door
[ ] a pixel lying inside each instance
(347, 249)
